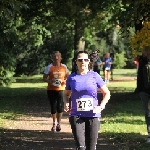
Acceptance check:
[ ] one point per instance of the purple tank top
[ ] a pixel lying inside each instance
(84, 93)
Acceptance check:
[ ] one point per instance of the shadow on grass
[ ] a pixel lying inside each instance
(126, 141)
(17, 100)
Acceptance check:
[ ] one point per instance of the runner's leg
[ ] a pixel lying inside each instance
(92, 126)
(78, 130)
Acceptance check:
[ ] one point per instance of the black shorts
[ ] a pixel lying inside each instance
(56, 101)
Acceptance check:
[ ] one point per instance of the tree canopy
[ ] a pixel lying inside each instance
(32, 29)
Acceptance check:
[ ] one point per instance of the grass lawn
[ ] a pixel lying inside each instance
(124, 73)
(122, 121)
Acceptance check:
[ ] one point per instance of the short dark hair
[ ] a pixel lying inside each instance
(80, 52)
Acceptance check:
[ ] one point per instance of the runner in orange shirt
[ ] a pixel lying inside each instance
(55, 75)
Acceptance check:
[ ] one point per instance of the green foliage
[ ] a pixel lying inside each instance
(33, 30)
(6, 75)
(120, 60)
(133, 14)
(7, 53)
(10, 8)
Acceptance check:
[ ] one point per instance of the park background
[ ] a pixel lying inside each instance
(32, 29)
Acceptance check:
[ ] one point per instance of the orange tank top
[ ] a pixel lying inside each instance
(58, 76)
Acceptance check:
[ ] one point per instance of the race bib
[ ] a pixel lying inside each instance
(57, 82)
(84, 104)
(107, 68)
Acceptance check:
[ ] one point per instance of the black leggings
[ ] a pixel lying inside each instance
(56, 101)
(85, 132)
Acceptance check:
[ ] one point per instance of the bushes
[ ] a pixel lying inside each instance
(119, 60)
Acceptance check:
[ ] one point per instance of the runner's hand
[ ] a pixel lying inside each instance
(66, 109)
(98, 109)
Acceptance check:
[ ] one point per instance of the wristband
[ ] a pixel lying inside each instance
(102, 106)
(66, 109)
(67, 104)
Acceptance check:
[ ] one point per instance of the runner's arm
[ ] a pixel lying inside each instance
(45, 78)
(106, 95)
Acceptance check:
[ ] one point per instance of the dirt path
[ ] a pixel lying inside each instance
(32, 132)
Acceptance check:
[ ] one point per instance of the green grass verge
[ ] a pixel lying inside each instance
(12, 98)
(123, 120)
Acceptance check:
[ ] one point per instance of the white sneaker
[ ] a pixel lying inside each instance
(148, 140)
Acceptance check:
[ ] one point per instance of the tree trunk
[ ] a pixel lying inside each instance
(79, 43)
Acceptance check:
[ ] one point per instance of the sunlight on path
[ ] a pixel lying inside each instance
(36, 123)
